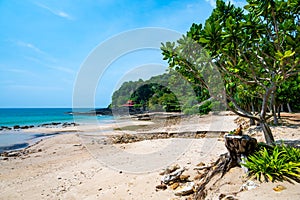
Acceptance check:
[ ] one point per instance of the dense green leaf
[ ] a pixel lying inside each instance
(258, 49)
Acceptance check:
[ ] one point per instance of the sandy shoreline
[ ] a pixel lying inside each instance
(79, 166)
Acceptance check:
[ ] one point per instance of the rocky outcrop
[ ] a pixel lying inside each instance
(4, 128)
(173, 177)
(46, 125)
(129, 138)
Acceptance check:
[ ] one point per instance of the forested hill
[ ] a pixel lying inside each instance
(171, 92)
(168, 92)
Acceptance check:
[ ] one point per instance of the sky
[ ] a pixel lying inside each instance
(44, 44)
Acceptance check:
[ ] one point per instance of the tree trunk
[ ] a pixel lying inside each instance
(279, 110)
(252, 121)
(273, 107)
(289, 107)
(238, 146)
(267, 132)
(275, 119)
(252, 108)
(266, 129)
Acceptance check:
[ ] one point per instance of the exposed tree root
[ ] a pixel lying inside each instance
(236, 146)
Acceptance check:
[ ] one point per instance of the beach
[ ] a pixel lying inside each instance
(84, 164)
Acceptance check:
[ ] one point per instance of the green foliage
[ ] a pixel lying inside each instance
(205, 107)
(256, 50)
(275, 163)
(168, 92)
(191, 111)
(288, 92)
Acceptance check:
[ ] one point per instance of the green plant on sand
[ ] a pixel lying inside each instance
(271, 163)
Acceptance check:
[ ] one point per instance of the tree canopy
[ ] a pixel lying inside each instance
(167, 92)
(255, 49)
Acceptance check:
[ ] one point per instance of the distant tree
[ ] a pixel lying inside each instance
(287, 94)
(167, 92)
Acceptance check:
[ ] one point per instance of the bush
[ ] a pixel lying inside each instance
(205, 108)
(275, 163)
(191, 111)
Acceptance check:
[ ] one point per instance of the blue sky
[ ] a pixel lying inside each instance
(44, 43)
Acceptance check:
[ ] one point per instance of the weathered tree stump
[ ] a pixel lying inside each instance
(239, 146)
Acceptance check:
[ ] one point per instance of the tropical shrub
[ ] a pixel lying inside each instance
(205, 108)
(279, 162)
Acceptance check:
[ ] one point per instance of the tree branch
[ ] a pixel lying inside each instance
(240, 111)
(265, 101)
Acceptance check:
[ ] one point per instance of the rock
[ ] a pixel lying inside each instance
(55, 123)
(13, 154)
(185, 189)
(174, 185)
(161, 186)
(279, 188)
(4, 154)
(125, 138)
(201, 164)
(5, 128)
(184, 177)
(104, 111)
(144, 118)
(17, 127)
(169, 169)
(227, 197)
(3, 158)
(249, 185)
(167, 178)
(199, 176)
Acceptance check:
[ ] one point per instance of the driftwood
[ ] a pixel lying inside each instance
(238, 146)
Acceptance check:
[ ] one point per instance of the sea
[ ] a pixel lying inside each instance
(10, 117)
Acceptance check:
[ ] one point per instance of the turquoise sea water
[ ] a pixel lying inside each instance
(37, 116)
(33, 116)
(10, 117)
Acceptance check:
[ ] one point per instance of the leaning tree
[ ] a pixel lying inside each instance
(255, 49)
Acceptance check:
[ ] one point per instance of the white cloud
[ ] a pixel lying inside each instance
(64, 69)
(34, 87)
(33, 59)
(21, 71)
(18, 71)
(45, 55)
(30, 46)
(59, 69)
(56, 12)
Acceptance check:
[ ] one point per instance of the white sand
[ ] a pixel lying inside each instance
(72, 166)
